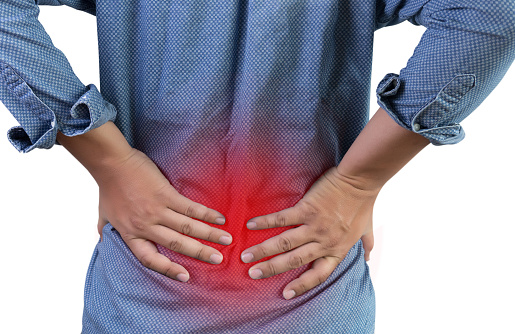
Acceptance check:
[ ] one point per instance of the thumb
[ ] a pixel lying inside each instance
(101, 222)
(368, 243)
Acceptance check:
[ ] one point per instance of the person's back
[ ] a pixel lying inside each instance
(242, 106)
(229, 105)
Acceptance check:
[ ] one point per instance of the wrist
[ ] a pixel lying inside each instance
(363, 184)
(381, 149)
(99, 150)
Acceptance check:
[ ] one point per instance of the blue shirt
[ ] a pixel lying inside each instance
(242, 105)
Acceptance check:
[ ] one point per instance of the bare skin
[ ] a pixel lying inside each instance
(334, 214)
(337, 210)
(138, 200)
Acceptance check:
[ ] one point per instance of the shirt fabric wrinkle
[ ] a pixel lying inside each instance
(243, 105)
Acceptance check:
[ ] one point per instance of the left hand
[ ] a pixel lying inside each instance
(333, 215)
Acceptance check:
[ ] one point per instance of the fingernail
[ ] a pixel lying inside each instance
(289, 294)
(220, 220)
(247, 257)
(216, 258)
(251, 225)
(182, 277)
(256, 273)
(226, 240)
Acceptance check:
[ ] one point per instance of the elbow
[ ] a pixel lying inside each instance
(510, 27)
(505, 20)
(504, 13)
(493, 21)
(498, 18)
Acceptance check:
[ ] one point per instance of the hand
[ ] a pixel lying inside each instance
(332, 216)
(138, 200)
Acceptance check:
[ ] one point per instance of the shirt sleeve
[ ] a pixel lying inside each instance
(37, 83)
(464, 53)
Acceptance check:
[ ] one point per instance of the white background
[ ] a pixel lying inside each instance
(444, 225)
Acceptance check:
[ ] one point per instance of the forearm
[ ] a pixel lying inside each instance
(379, 152)
(97, 149)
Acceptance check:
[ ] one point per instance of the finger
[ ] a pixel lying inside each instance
(146, 252)
(184, 245)
(281, 243)
(287, 261)
(101, 221)
(368, 244)
(321, 269)
(100, 226)
(192, 209)
(194, 228)
(291, 216)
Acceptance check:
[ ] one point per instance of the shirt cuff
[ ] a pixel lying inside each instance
(38, 123)
(434, 120)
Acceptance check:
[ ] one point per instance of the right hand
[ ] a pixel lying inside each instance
(142, 205)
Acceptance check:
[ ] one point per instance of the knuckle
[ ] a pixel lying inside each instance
(171, 196)
(186, 228)
(284, 244)
(269, 221)
(280, 220)
(272, 270)
(200, 253)
(345, 226)
(136, 224)
(204, 215)
(332, 242)
(163, 192)
(308, 210)
(175, 245)
(126, 236)
(322, 229)
(322, 278)
(295, 261)
(146, 260)
(260, 251)
(211, 235)
(170, 272)
(190, 210)
(301, 288)
(147, 210)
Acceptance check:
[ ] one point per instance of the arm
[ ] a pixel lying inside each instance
(379, 152)
(138, 200)
(38, 85)
(464, 53)
(99, 149)
(40, 89)
(466, 50)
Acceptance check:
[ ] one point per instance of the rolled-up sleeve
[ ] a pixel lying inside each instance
(462, 56)
(37, 83)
